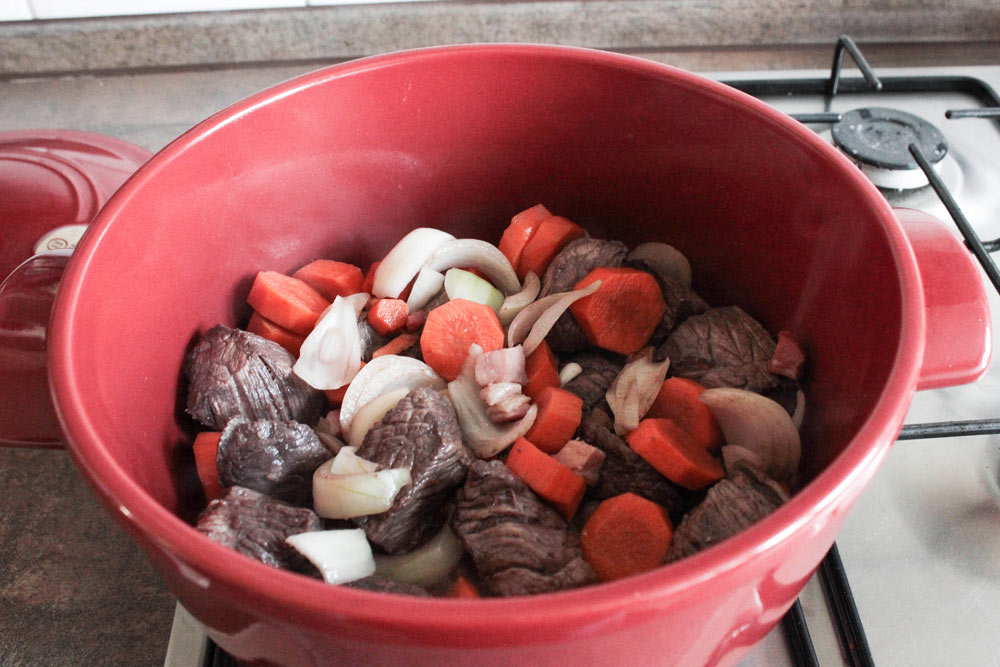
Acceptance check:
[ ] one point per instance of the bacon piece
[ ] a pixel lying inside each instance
(788, 357)
(583, 459)
(504, 365)
(509, 409)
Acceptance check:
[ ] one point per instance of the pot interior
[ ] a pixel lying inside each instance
(341, 163)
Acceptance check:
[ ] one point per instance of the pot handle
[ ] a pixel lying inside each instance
(958, 339)
(27, 416)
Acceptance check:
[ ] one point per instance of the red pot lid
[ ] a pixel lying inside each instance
(52, 183)
(53, 179)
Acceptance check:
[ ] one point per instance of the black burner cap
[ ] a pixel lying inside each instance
(881, 137)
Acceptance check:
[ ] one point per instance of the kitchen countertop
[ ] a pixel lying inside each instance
(74, 588)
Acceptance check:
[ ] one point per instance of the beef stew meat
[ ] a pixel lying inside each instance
(681, 302)
(722, 347)
(275, 458)
(519, 544)
(234, 373)
(421, 432)
(256, 525)
(379, 584)
(598, 371)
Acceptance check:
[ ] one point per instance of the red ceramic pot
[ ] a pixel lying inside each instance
(342, 162)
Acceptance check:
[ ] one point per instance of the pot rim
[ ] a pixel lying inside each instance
(285, 595)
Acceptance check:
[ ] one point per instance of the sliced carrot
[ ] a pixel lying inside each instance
(369, 281)
(678, 400)
(265, 328)
(552, 234)
(520, 230)
(388, 316)
(206, 452)
(551, 480)
(559, 415)
(286, 301)
(336, 396)
(331, 278)
(627, 534)
(624, 311)
(674, 453)
(542, 370)
(451, 328)
(397, 345)
(462, 588)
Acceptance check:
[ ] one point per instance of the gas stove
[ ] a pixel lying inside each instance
(913, 578)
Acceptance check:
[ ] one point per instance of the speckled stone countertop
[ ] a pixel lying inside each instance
(74, 590)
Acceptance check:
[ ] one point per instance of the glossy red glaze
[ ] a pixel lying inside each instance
(340, 164)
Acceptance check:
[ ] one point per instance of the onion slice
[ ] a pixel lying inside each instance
(462, 284)
(347, 462)
(533, 324)
(426, 565)
(371, 413)
(349, 496)
(634, 389)
(331, 354)
(405, 259)
(427, 284)
(758, 424)
(476, 254)
(515, 303)
(383, 374)
(664, 258)
(340, 555)
(568, 372)
(479, 432)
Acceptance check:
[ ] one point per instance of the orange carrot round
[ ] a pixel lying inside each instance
(331, 278)
(626, 535)
(678, 400)
(388, 316)
(397, 345)
(559, 415)
(674, 454)
(206, 452)
(286, 301)
(265, 328)
(520, 230)
(552, 234)
(624, 311)
(462, 588)
(551, 480)
(542, 370)
(451, 328)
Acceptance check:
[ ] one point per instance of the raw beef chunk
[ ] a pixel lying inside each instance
(257, 525)
(723, 347)
(379, 584)
(275, 458)
(420, 432)
(234, 373)
(519, 545)
(599, 371)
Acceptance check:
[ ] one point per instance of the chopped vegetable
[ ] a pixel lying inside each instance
(679, 399)
(634, 390)
(568, 372)
(479, 256)
(372, 413)
(387, 316)
(462, 588)
(552, 234)
(384, 374)
(340, 555)
(559, 414)
(369, 281)
(330, 355)
(405, 259)
(664, 259)
(542, 371)
(462, 284)
(674, 453)
(429, 564)
(623, 313)
(451, 328)
(286, 301)
(515, 303)
(520, 230)
(425, 286)
(206, 452)
(397, 345)
(331, 278)
(347, 462)
(347, 495)
(626, 535)
(757, 423)
(535, 321)
(265, 328)
(547, 477)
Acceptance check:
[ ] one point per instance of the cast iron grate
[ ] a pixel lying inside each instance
(833, 578)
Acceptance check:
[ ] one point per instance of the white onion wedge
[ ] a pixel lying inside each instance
(347, 462)
(568, 372)
(758, 424)
(634, 389)
(340, 555)
(371, 413)
(480, 255)
(331, 354)
(664, 258)
(345, 496)
(427, 284)
(405, 259)
(462, 284)
(545, 317)
(733, 455)
(515, 303)
(426, 565)
(383, 374)
(483, 437)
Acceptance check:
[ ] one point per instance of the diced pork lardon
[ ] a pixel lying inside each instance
(504, 365)
(583, 459)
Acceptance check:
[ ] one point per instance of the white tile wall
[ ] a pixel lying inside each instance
(20, 10)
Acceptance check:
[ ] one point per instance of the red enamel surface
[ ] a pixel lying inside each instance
(341, 163)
